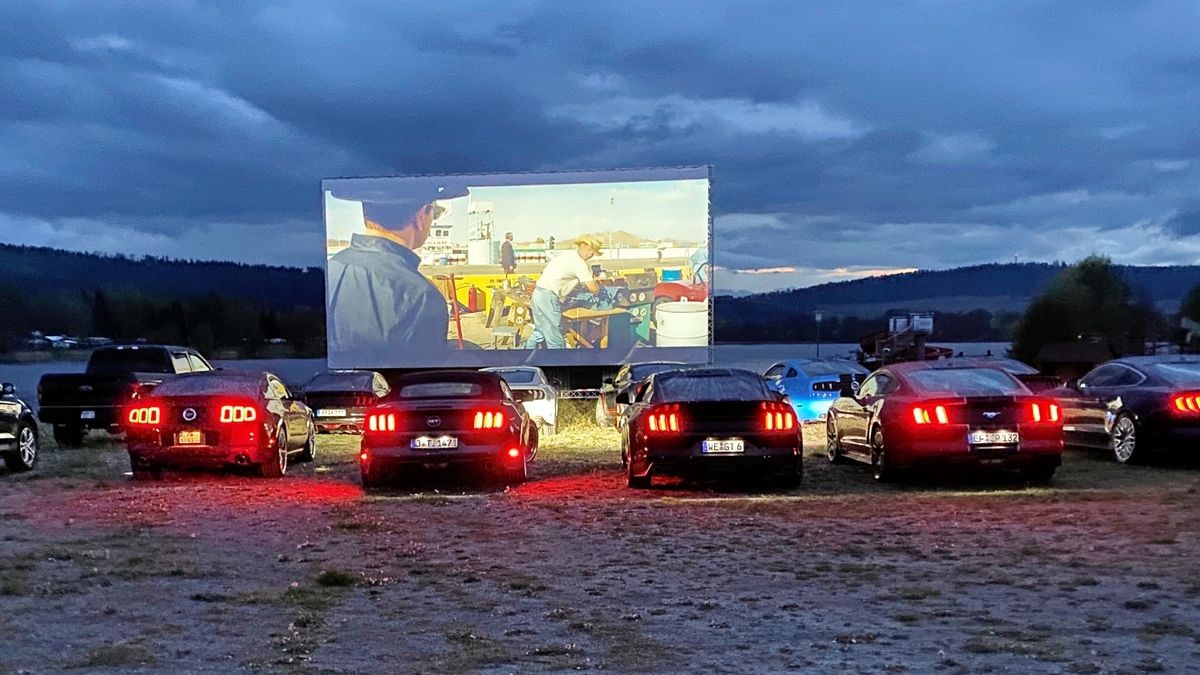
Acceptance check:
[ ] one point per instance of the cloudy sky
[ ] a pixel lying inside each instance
(846, 138)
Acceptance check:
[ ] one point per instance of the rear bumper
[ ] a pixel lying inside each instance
(103, 415)
(391, 458)
(687, 458)
(198, 456)
(349, 424)
(1032, 453)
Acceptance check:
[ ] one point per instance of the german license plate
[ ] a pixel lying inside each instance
(189, 438)
(87, 414)
(434, 442)
(331, 412)
(722, 447)
(994, 438)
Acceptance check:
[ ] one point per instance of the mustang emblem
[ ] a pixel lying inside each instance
(433, 421)
(991, 415)
(189, 414)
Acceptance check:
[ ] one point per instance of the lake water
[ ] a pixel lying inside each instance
(297, 371)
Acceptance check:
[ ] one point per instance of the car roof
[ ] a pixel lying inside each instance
(1156, 358)
(705, 372)
(447, 376)
(943, 364)
(509, 369)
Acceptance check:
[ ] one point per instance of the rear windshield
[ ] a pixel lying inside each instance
(518, 376)
(644, 370)
(441, 390)
(121, 361)
(967, 381)
(711, 387)
(817, 368)
(1183, 374)
(341, 382)
(205, 384)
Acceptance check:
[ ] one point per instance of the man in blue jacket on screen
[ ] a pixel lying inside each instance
(381, 310)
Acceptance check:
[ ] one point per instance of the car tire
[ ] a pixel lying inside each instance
(1124, 440)
(881, 466)
(370, 480)
(1040, 473)
(309, 452)
(634, 481)
(833, 443)
(25, 456)
(516, 475)
(535, 442)
(278, 467)
(144, 473)
(68, 436)
(789, 481)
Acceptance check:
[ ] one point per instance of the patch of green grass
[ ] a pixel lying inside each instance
(337, 579)
(117, 656)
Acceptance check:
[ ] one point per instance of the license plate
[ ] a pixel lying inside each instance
(189, 438)
(87, 414)
(434, 443)
(331, 412)
(722, 447)
(994, 438)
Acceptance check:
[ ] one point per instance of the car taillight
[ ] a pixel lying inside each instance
(778, 417)
(144, 415)
(1044, 413)
(932, 414)
(1187, 403)
(665, 420)
(489, 419)
(237, 414)
(377, 422)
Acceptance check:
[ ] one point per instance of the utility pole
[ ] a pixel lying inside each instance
(817, 316)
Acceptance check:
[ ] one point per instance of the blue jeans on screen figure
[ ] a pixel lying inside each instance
(547, 317)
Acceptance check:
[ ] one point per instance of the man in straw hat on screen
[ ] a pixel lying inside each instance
(561, 275)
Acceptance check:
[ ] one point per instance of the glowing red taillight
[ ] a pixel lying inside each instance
(1187, 403)
(489, 419)
(1042, 412)
(514, 453)
(237, 414)
(664, 420)
(932, 414)
(144, 415)
(778, 417)
(377, 422)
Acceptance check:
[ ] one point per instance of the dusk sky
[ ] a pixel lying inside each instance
(846, 138)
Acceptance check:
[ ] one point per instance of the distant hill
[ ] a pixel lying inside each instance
(993, 287)
(47, 269)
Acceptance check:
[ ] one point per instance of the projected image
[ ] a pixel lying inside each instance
(543, 268)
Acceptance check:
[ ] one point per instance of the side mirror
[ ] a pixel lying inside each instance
(623, 398)
(8, 389)
(847, 390)
(607, 380)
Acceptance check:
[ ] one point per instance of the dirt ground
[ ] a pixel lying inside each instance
(1098, 573)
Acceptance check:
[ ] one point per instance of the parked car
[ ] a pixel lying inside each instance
(530, 386)
(339, 399)
(219, 419)
(75, 403)
(811, 385)
(1134, 406)
(938, 413)
(18, 431)
(708, 421)
(608, 411)
(444, 420)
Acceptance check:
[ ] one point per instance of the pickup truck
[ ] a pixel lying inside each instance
(75, 403)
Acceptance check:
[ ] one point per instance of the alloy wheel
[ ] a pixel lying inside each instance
(27, 446)
(1124, 438)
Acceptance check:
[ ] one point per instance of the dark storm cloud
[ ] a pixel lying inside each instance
(855, 136)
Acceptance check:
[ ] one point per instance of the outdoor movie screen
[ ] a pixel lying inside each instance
(554, 268)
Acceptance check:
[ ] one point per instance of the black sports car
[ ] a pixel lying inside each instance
(339, 398)
(1134, 405)
(18, 431)
(442, 420)
(707, 421)
(219, 419)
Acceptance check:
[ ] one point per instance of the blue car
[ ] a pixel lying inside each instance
(811, 386)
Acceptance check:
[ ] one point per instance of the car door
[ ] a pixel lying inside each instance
(295, 415)
(1086, 404)
(854, 413)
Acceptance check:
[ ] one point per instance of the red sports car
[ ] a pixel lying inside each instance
(217, 419)
(442, 420)
(706, 421)
(928, 412)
